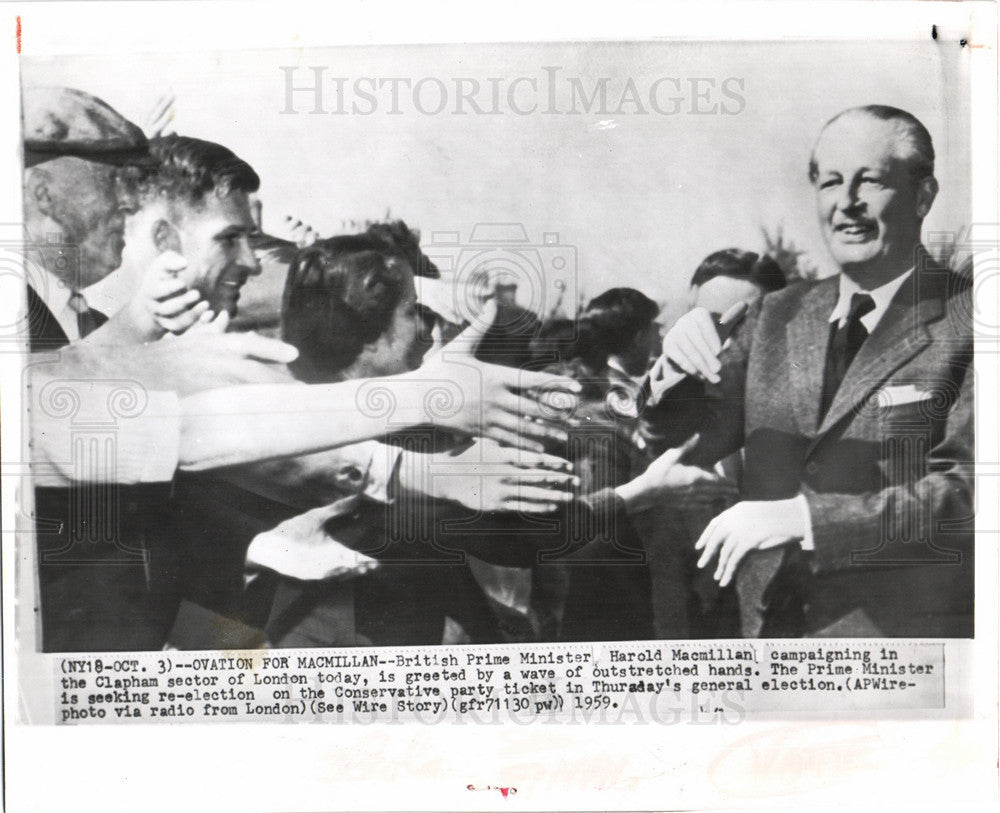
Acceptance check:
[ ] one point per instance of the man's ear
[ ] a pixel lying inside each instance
(165, 237)
(37, 190)
(368, 355)
(927, 190)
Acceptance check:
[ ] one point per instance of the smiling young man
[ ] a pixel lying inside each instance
(853, 399)
(192, 233)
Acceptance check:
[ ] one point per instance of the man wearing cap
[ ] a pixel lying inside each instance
(81, 158)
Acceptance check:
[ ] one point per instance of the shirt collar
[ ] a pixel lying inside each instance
(615, 365)
(881, 296)
(56, 294)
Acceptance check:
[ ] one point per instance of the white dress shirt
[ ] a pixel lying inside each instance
(56, 295)
(881, 296)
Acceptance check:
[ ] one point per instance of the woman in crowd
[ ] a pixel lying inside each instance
(349, 308)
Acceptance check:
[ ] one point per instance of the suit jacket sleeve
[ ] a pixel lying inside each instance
(715, 411)
(937, 507)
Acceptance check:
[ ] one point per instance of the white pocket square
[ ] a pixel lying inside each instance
(904, 394)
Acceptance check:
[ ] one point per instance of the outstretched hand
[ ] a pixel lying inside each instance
(486, 477)
(669, 479)
(692, 346)
(505, 404)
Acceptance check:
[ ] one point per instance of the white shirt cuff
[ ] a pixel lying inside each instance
(382, 473)
(807, 538)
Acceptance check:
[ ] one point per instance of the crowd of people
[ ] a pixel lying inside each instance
(784, 460)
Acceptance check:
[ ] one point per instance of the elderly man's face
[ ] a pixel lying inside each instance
(869, 204)
(214, 239)
(87, 203)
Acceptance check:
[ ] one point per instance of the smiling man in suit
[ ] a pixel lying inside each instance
(853, 399)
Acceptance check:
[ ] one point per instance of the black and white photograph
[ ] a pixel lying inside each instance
(655, 265)
(467, 381)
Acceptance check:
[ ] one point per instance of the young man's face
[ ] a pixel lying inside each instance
(214, 239)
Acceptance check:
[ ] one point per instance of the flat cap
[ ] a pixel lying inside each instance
(61, 121)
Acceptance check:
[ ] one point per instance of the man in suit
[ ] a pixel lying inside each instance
(853, 399)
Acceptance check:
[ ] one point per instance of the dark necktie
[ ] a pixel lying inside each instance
(87, 318)
(845, 341)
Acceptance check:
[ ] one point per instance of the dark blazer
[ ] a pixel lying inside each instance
(887, 473)
(44, 330)
(89, 581)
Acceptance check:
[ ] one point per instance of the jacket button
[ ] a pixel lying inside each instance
(811, 468)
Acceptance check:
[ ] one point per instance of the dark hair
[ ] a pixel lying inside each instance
(738, 264)
(396, 234)
(910, 132)
(190, 169)
(340, 294)
(617, 316)
(561, 341)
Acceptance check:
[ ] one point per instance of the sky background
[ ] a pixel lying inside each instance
(635, 199)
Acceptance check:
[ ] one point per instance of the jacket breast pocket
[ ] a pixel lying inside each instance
(909, 407)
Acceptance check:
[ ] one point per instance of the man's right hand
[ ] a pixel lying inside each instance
(668, 479)
(488, 477)
(693, 344)
(164, 303)
(502, 403)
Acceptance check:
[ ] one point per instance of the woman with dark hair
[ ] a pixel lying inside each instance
(350, 307)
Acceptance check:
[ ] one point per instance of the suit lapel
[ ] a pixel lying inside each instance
(808, 335)
(898, 337)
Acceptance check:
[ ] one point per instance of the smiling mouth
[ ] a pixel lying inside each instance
(233, 279)
(227, 289)
(855, 229)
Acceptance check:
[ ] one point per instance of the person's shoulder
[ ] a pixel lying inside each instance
(954, 291)
(784, 304)
(797, 291)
